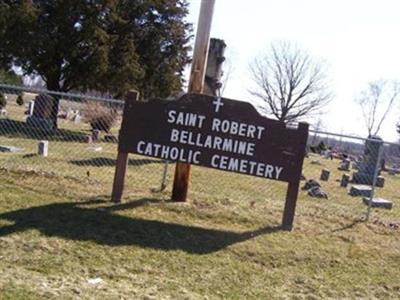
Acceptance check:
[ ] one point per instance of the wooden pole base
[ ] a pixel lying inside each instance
(119, 177)
(290, 206)
(181, 182)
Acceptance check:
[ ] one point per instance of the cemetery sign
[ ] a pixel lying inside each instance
(214, 132)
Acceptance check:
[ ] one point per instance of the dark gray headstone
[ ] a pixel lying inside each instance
(361, 190)
(344, 165)
(310, 184)
(42, 112)
(324, 175)
(366, 168)
(378, 202)
(317, 192)
(345, 180)
(380, 181)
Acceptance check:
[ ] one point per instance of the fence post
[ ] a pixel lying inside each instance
(164, 177)
(376, 172)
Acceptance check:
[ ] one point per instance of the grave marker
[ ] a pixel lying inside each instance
(378, 202)
(361, 190)
(31, 106)
(43, 148)
(43, 111)
(325, 175)
(345, 180)
(371, 157)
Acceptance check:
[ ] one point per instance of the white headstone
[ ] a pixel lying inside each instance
(43, 148)
(31, 105)
(76, 119)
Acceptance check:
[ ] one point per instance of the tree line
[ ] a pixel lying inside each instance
(113, 46)
(104, 45)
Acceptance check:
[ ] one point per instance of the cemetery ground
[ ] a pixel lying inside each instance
(60, 236)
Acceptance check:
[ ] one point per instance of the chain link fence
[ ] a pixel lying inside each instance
(75, 137)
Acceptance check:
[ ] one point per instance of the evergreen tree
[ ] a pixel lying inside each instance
(107, 45)
(9, 77)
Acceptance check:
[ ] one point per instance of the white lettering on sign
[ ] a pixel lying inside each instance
(186, 119)
(217, 161)
(246, 166)
(212, 142)
(236, 128)
(168, 153)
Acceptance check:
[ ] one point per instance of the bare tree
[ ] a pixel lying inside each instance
(376, 102)
(292, 83)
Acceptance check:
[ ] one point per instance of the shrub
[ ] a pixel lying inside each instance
(20, 100)
(100, 116)
(3, 101)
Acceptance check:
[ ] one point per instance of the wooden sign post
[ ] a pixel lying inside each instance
(122, 157)
(217, 133)
(196, 83)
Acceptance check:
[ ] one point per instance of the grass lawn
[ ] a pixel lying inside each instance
(61, 238)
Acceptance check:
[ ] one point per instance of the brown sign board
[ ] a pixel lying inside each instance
(214, 132)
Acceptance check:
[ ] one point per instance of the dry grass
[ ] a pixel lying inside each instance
(58, 230)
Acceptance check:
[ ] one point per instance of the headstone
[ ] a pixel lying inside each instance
(361, 190)
(77, 118)
(345, 180)
(378, 202)
(42, 112)
(31, 106)
(316, 191)
(43, 148)
(366, 168)
(380, 181)
(344, 165)
(12, 149)
(310, 184)
(88, 139)
(324, 175)
(95, 135)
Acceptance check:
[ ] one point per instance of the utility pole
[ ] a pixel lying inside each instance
(196, 83)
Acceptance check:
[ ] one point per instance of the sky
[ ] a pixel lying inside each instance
(359, 40)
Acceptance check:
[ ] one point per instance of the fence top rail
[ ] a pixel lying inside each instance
(349, 136)
(65, 95)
